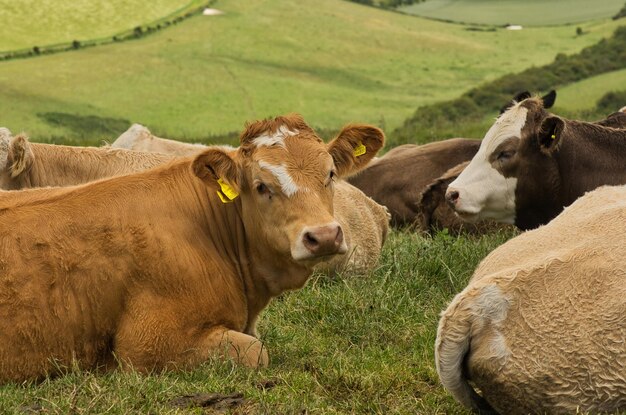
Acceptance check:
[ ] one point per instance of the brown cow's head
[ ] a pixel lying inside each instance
(520, 140)
(283, 175)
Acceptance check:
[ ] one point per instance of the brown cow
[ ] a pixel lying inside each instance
(397, 179)
(365, 223)
(541, 327)
(532, 163)
(167, 267)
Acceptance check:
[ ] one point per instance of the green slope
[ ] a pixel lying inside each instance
(527, 12)
(584, 95)
(37, 23)
(332, 61)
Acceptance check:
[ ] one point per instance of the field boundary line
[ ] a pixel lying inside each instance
(193, 8)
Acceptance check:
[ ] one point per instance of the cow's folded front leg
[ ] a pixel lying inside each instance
(243, 348)
(155, 341)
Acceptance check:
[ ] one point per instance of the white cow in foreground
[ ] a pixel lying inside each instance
(541, 327)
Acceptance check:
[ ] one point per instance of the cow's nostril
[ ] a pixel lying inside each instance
(452, 196)
(339, 237)
(310, 241)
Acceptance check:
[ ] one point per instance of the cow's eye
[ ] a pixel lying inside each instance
(505, 155)
(331, 177)
(263, 190)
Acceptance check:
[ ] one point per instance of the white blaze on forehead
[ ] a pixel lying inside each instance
(483, 190)
(509, 125)
(277, 138)
(288, 186)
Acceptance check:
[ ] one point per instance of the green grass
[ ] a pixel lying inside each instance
(527, 12)
(28, 23)
(347, 344)
(335, 62)
(584, 95)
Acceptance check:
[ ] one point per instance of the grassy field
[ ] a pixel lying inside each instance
(347, 344)
(584, 95)
(39, 23)
(527, 13)
(339, 62)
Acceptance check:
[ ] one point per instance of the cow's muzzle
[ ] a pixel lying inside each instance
(452, 196)
(319, 241)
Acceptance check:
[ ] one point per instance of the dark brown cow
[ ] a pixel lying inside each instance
(397, 179)
(165, 268)
(531, 164)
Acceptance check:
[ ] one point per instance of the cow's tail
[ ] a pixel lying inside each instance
(451, 349)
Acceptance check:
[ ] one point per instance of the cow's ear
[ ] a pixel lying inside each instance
(354, 147)
(548, 99)
(20, 158)
(550, 133)
(519, 97)
(218, 170)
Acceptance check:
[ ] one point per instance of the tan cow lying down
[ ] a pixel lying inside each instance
(541, 327)
(154, 268)
(365, 223)
(398, 179)
(25, 165)
(139, 138)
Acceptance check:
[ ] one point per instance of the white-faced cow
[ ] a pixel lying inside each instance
(541, 327)
(164, 268)
(532, 163)
(401, 177)
(434, 213)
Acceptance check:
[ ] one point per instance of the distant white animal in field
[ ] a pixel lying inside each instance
(211, 12)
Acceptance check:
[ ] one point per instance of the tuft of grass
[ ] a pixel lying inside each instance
(344, 344)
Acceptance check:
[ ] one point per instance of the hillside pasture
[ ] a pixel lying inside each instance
(526, 13)
(340, 63)
(583, 96)
(29, 23)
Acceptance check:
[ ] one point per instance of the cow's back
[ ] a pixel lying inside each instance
(549, 313)
(139, 138)
(397, 179)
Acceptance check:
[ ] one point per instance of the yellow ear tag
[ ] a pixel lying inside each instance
(227, 193)
(553, 136)
(359, 150)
